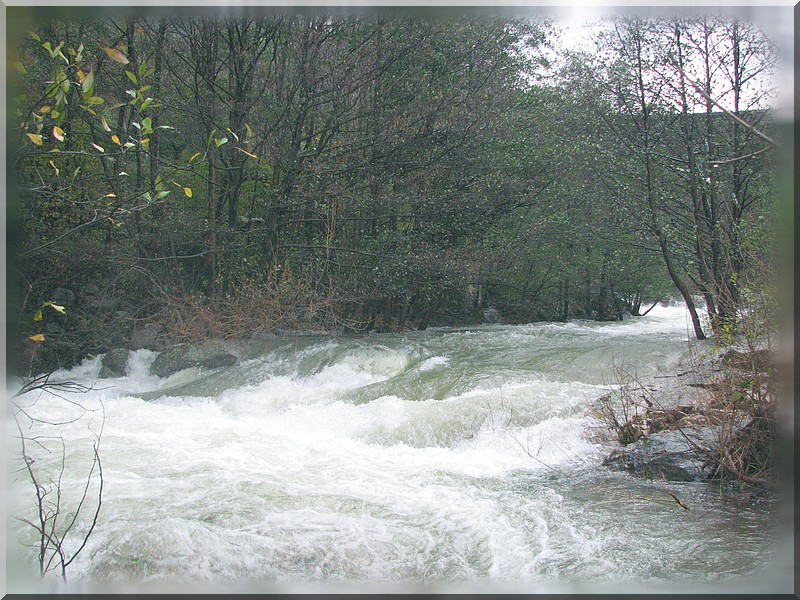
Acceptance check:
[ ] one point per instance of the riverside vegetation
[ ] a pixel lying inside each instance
(221, 177)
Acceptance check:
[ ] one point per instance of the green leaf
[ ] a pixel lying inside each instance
(95, 100)
(161, 194)
(132, 77)
(88, 85)
(35, 36)
(210, 137)
(147, 125)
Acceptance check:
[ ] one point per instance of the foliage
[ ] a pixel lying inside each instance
(397, 172)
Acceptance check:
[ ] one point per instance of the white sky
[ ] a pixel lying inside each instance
(775, 21)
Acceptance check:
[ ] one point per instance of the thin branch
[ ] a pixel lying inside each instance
(699, 89)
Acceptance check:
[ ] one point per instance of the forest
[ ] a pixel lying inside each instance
(219, 177)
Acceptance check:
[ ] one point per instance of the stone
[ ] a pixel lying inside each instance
(146, 338)
(185, 356)
(63, 296)
(114, 363)
(668, 455)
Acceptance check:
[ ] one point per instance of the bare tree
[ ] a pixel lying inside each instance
(57, 520)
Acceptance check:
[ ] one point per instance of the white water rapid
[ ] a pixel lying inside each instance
(455, 459)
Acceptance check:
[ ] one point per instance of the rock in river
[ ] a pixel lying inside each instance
(184, 356)
(668, 454)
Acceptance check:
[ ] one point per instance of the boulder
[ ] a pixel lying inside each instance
(114, 363)
(669, 455)
(63, 296)
(184, 356)
(147, 338)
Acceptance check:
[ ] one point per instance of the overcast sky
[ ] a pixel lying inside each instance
(777, 22)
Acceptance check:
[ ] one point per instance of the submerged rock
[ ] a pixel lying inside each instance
(675, 455)
(184, 356)
(114, 363)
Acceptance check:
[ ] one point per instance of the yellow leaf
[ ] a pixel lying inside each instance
(36, 139)
(81, 75)
(37, 316)
(58, 133)
(44, 109)
(195, 155)
(188, 192)
(104, 123)
(115, 139)
(39, 337)
(250, 154)
(110, 196)
(57, 308)
(116, 55)
(55, 168)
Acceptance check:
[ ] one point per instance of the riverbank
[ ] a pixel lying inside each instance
(716, 418)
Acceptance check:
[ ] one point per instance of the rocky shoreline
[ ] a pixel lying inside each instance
(682, 426)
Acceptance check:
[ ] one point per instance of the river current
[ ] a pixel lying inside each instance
(449, 460)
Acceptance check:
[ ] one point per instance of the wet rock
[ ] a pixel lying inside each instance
(184, 356)
(147, 338)
(114, 363)
(668, 455)
(63, 296)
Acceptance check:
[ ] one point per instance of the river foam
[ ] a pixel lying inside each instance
(448, 458)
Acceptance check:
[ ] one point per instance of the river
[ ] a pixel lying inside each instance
(454, 459)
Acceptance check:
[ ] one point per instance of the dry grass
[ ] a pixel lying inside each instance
(738, 398)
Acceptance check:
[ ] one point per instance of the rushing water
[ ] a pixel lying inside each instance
(455, 459)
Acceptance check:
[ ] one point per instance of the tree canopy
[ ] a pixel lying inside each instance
(222, 176)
